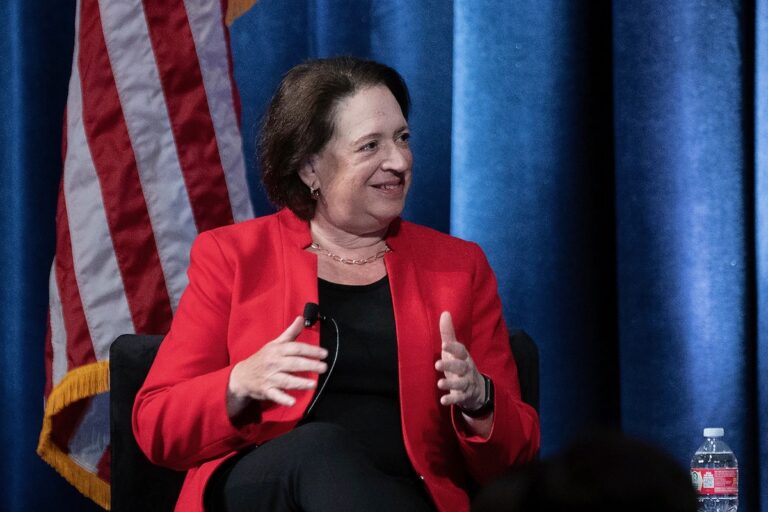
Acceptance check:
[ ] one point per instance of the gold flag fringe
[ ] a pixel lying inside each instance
(82, 382)
(236, 8)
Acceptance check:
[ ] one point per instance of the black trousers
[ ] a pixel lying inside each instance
(316, 467)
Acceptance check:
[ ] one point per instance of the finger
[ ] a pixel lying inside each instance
(456, 349)
(292, 331)
(446, 327)
(279, 397)
(288, 381)
(457, 366)
(451, 399)
(299, 348)
(301, 364)
(460, 384)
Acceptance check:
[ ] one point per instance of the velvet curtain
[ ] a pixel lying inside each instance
(610, 157)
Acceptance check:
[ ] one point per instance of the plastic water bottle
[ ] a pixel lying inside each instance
(715, 474)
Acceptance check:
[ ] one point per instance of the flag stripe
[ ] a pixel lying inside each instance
(48, 356)
(92, 436)
(96, 271)
(149, 128)
(231, 66)
(57, 335)
(79, 348)
(209, 35)
(103, 467)
(78, 344)
(187, 104)
(66, 422)
(115, 164)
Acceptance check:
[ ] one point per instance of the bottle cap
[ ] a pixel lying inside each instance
(713, 432)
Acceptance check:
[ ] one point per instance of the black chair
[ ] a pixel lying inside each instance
(527, 357)
(137, 484)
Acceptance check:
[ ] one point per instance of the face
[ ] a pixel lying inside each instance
(364, 171)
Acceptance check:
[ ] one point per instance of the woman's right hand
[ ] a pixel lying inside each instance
(268, 373)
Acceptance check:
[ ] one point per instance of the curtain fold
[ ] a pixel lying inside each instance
(611, 158)
(682, 91)
(416, 39)
(35, 58)
(531, 183)
(760, 198)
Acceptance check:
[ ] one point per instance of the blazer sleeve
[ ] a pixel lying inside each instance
(179, 415)
(515, 435)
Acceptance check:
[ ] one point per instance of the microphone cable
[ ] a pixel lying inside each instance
(330, 370)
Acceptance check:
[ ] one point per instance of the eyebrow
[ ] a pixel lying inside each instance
(376, 135)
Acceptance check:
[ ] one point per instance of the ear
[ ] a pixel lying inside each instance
(307, 173)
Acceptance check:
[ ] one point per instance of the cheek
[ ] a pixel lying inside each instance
(346, 191)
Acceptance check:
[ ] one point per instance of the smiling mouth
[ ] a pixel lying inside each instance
(390, 185)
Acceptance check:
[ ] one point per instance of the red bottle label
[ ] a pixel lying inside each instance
(708, 481)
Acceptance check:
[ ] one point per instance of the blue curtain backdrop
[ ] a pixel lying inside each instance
(610, 157)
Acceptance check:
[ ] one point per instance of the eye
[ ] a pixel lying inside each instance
(370, 146)
(404, 137)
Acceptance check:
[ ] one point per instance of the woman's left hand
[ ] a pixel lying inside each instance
(462, 379)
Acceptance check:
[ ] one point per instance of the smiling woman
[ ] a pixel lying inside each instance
(402, 396)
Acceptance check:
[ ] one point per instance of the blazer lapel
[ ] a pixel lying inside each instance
(417, 332)
(300, 271)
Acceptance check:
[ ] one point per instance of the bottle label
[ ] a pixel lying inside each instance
(709, 481)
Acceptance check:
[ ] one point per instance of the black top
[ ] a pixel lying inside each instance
(361, 394)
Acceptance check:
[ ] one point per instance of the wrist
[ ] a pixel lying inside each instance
(486, 406)
(234, 390)
(236, 400)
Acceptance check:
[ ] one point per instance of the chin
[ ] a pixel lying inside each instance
(377, 219)
(385, 217)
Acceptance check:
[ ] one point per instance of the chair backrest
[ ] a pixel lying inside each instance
(527, 358)
(137, 484)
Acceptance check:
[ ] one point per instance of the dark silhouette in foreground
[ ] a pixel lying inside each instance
(605, 472)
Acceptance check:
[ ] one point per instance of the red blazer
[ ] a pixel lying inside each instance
(248, 281)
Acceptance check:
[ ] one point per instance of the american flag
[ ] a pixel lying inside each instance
(152, 156)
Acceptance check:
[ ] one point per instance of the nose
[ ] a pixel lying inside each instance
(399, 158)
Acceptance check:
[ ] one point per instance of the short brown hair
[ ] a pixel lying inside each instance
(300, 121)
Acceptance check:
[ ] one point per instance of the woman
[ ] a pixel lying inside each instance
(402, 397)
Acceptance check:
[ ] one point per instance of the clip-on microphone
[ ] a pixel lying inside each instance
(312, 314)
